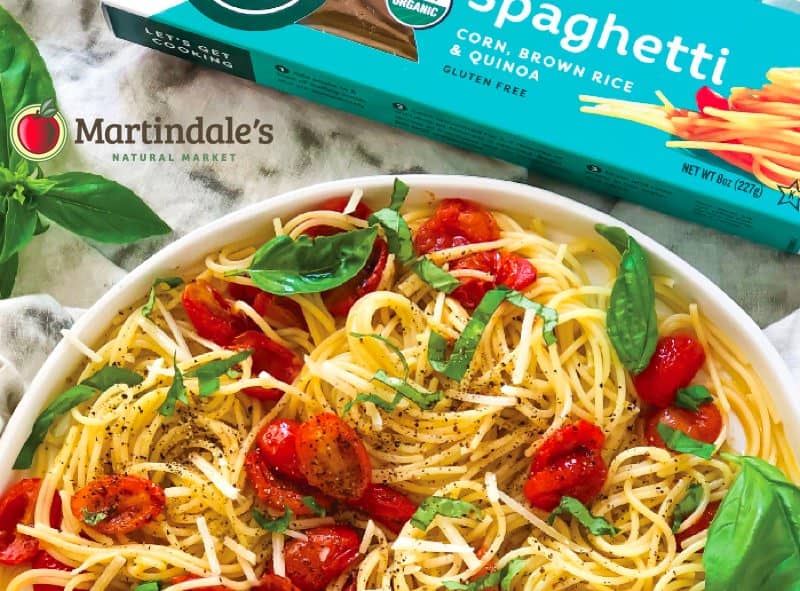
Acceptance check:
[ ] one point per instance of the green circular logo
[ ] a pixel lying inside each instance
(419, 14)
(257, 15)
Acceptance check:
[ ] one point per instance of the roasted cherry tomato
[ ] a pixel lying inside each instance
(120, 504)
(276, 493)
(281, 312)
(509, 269)
(703, 425)
(184, 578)
(568, 463)
(338, 204)
(703, 523)
(44, 560)
(268, 356)
(675, 362)
(312, 564)
(211, 313)
(333, 457)
(17, 506)
(706, 97)
(386, 506)
(456, 222)
(271, 582)
(277, 442)
(340, 299)
(486, 569)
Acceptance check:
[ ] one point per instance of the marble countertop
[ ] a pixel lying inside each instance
(97, 75)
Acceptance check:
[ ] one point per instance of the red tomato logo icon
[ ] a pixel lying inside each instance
(38, 132)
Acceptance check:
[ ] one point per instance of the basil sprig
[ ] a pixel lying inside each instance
(312, 504)
(424, 400)
(170, 282)
(682, 443)
(86, 204)
(433, 506)
(754, 540)
(466, 345)
(596, 525)
(275, 526)
(631, 320)
(503, 577)
(66, 401)
(176, 392)
(692, 397)
(687, 505)
(208, 374)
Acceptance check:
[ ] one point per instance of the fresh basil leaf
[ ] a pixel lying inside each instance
(8, 275)
(616, 236)
(148, 586)
(176, 392)
(631, 320)
(111, 375)
(170, 282)
(687, 505)
(682, 443)
(311, 265)
(275, 526)
(435, 276)
(95, 207)
(24, 81)
(18, 228)
(399, 194)
(754, 540)
(93, 519)
(392, 347)
(397, 232)
(548, 315)
(209, 373)
(312, 504)
(424, 400)
(692, 397)
(374, 399)
(433, 506)
(596, 525)
(503, 577)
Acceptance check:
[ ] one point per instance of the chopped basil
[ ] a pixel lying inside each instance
(433, 506)
(467, 343)
(374, 399)
(692, 397)
(93, 519)
(312, 504)
(176, 392)
(148, 586)
(392, 347)
(596, 525)
(399, 194)
(687, 505)
(435, 276)
(682, 443)
(170, 282)
(631, 320)
(311, 265)
(503, 577)
(209, 373)
(425, 400)
(275, 526)
(66, 401)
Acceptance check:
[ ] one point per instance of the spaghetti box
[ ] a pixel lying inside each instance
(697, 116)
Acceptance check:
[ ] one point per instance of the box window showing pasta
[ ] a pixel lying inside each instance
(694, 119)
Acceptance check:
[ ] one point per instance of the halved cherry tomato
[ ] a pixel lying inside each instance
(456, 222)
(568, 463)
(277, 444)
(338, 204)
(211, 313)
(282, 312)
(17, 506)
(184, 578)
(707, 97)
(276, 493)
(312, 564)
(385, 505)
(675, 362)
(703, 523)
(44, 560)
(340, 299)
(268, 356)
(509, 269)
(487, 568)
(129, 502)
(703, 425)
(271, 582)
(333, 457)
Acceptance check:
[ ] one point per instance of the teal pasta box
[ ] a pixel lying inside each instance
(694, 111)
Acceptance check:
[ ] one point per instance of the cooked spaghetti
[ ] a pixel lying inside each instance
(756, 130)
(473, 444)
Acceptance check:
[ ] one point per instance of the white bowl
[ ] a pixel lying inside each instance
(255, 222)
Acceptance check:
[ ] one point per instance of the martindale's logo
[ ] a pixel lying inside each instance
(39, 132)
(257, 15)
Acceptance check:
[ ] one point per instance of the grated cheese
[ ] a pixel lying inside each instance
(208, 544)
(247, 555)
(355, 199)
(483, 399)
(492, 492)
(177, 491)
(80, 345)
(366, 539)
(278, 561)
(225, 487)
(406, 543)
